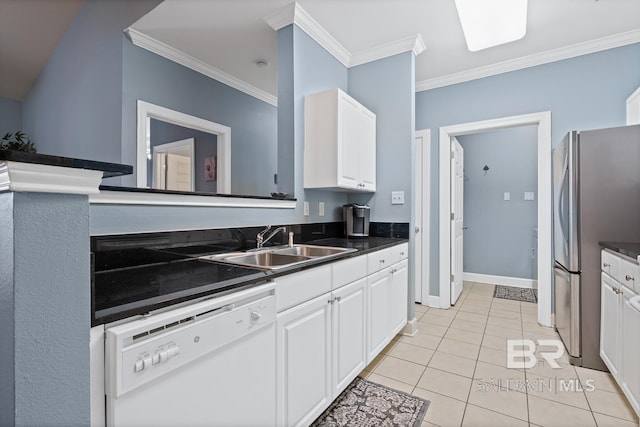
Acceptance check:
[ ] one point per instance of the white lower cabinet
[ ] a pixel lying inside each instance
(349, 334)
(399, 296)
(304, 361)
(610, 324)
(321, 349)
(620, 323)
(378, 285)
(324, 342)
(630, 351)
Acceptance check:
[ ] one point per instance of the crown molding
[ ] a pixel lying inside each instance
(152, 45)
(413, 43)
(34, 177)
(295, 14)
(549, 56)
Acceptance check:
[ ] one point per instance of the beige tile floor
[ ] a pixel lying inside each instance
(458, 361)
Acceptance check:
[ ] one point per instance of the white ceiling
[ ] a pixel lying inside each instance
(230, 35)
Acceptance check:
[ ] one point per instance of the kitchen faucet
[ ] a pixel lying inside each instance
(261, 240)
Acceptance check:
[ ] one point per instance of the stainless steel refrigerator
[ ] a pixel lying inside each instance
(596, 186)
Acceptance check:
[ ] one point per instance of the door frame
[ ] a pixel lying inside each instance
(423, 283)
(545, 260)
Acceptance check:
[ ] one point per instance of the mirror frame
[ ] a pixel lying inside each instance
(147, 111)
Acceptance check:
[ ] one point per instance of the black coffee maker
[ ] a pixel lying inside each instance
(356, 220)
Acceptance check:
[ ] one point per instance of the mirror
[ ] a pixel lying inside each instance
(164, 97)
(177, 151)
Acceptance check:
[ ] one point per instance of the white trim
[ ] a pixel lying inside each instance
(159, 48)
(411, 328)
(516, 282)
(425, 231)
(413, 43)
(295, 14)
(159, 199)
(633, 108)
(33, 177)
(433, 301)
(545, 260)
(554, 55)
(147, 110)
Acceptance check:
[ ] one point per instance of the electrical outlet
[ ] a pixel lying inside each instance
(305, 208)
(321, 209)
(529, 195)
(397, 197)
(507, 196)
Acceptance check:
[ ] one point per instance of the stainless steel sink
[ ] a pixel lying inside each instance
(274, 258)
(311, 251)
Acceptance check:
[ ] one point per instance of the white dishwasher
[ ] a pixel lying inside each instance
(210, 363)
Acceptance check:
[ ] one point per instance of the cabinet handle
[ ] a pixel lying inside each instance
(381, 261)
(401, 253)
(337, 299)
(606, 264)
(330, 301)
(629, 278)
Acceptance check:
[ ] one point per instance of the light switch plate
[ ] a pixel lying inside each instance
(305, 208)
(507, 195)
(397, 197)
(529, 195)
(321, 209)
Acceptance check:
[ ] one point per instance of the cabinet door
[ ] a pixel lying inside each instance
(349, 334)
(303, 361)
(399, 296)
(348, 143)
(609, 324)
(630, 349)
(378, 313)
(368, 150)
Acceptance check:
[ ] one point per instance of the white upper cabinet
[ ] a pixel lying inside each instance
(339, 143)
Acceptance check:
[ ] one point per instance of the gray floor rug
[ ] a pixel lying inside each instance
(517, 294)
(367, 404)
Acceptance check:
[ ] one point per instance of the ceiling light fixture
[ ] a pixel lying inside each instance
(262, 63)
(488, 23)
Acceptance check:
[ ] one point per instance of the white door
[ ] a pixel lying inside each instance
(179, 173)
(417, 250)
(457, 186)
(349, 137)
(378, 306)
(630, 349)
(303, 361)
(609, 329)
(349, 334)
(367, 154)
(399, 286)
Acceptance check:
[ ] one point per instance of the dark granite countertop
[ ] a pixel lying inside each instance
(631, 250)
(132, 281)
(108, 169)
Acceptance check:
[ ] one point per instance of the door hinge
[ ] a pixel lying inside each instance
(453, 278)
(453, 215)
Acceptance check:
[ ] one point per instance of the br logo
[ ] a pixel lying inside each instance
(521, 354)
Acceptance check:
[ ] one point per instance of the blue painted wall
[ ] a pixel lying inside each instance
(45, 292)
(75, 107)
(499, 238)
(387, 87)
(585, 92)
(10, 116)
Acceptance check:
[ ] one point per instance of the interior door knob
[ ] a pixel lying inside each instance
(417, 229)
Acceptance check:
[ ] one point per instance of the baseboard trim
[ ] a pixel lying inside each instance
(501, 280)
(411, 328)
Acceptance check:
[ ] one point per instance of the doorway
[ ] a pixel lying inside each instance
(543, 122)
(173, 165)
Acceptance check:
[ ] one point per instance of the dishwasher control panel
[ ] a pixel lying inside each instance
(148, 348)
